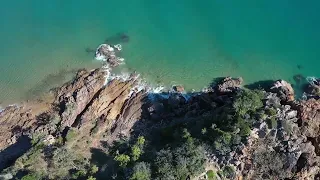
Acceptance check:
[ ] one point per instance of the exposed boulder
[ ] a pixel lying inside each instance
(284, 90)
(229, 84)
(178, 88)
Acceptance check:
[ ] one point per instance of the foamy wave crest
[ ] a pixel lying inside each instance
(108, 54)
(312, 80)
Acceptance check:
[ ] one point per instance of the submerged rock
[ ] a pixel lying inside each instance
(298, 78)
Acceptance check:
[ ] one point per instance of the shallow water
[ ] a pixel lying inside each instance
(170, 42)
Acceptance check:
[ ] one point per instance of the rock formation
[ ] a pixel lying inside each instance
(100, 112)
(85, 102)
(107, 53)
(284, 90)
(229, 84)
(72, 98)
(313, 88)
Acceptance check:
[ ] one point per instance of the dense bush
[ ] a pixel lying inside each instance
(141, 171)
(248, 101)
(184, 159)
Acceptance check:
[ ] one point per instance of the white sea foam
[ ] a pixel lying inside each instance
(154, 92)
(118, 47)
(311, 80)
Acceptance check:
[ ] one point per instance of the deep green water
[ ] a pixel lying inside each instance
(173, 42)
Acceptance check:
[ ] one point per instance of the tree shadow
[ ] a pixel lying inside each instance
(216, 81)
(265, 84)
(105, 163)
(9, 155)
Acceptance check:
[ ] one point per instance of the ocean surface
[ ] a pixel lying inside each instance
(169, 42)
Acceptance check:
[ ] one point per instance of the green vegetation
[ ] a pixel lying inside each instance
(176, 151)
(271, 111)
(272, 123)
(248, 101)
(30, 177)
(173, 151)
(71, 134)
(122, 159)
(141, 171)
(229, 172)
(211, 175)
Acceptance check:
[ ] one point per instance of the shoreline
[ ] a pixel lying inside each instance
(100, 107)
(110, 60)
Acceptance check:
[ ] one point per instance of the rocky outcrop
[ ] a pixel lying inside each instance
(313, 88)
(73, 97)
(14, 122)
(284, 90)
(310, 117)
(283, 152)
(229, 84)
(130, 118)
(99, 112)
(107, 53)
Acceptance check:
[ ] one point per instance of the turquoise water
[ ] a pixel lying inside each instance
(171, 42)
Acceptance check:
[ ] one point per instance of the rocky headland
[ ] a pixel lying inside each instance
(118, 128)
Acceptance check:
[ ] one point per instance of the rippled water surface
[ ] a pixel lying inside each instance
(170, 42)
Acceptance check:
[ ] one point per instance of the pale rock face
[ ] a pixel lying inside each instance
(284, 90)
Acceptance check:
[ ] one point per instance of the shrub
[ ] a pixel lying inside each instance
(91, 178)
(248, 101)
(229, 171)
(244, 127)
(71, 134)
(94, 169)
(78, 174)
(272, 123)
(30, 176)
(122, 159)
(271, 112)
(135, 152)
(140, 141)
(211, 175)
(203, 131)
(141, 171)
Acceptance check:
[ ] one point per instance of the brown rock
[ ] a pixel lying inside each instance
(178, 88)
(109, 101)
(14, 121)
(229, 84)
(309, 112)
(284, 90)
(73, 97)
